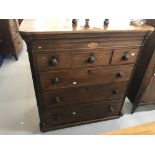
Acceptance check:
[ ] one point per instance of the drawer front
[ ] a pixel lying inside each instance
(86, 76)
(14, 32)
(125, 56)
(88, 43)
(91, 58)
(53, 60)
(71, 114)
(85, 94)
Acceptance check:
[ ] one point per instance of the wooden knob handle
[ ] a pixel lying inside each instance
(57, 117)
(115, 92)
(90, 71)
(125, 56)
(106, 22)
(57, 99)
(120, 74)
(91, 59)
(53, 61)
(86, 23)
(74, 21)
(111, 109)
(55, 80)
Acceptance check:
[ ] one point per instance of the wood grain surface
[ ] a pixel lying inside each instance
(59, 25)
(78, 68)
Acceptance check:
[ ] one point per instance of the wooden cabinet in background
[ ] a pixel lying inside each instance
(0, 42)
(11, 40)
(142, 88)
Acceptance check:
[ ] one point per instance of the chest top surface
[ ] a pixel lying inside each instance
(57, 26)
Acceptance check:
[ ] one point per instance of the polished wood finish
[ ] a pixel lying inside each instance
(80, 75)
(91, 58)
(119, 40)
(53, 60)
(142, 90)
(59, 26)
(144, 129)
(85, 76)
(11, 40)
(73, 114)
(125, 56)
(84, 95)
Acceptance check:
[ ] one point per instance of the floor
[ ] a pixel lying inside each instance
(18, 108)
(144, 129)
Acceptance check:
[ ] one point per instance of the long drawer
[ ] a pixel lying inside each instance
(84, 95)
(79, 113)
(83, 77)
(104, 42)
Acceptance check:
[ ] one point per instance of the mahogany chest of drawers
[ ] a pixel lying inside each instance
(11, 40)
(80, 76)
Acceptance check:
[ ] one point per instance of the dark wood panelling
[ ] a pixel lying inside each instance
(85, 76)
(125, 56)
(149, 94)
(73, 114)
(53, 60)
(142, 86)
(83, 95)
(85, 44)
(92, 58)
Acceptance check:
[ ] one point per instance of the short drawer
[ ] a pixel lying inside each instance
(53, 60)
(85, 76)
(125, 56)
(80, 113)
(83, 95)
(91, 58)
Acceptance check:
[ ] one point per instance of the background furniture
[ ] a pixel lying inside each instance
(1, 56)
(11, 39)
(1, 42)
(80, 75)
(142, 89)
